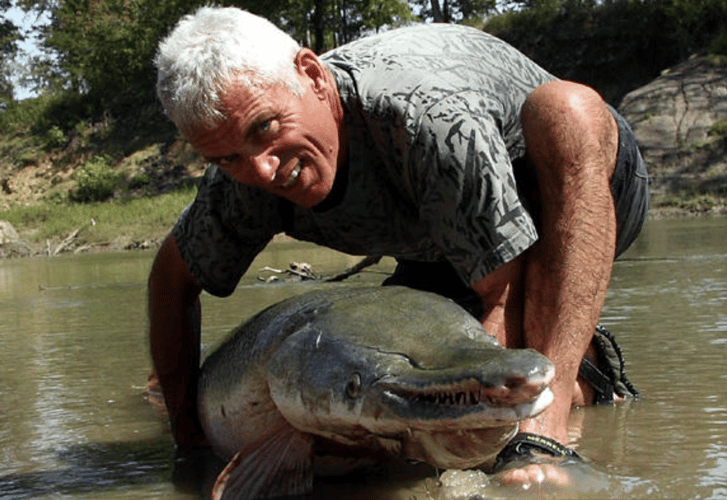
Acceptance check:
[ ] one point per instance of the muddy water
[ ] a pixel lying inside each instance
(73, 363)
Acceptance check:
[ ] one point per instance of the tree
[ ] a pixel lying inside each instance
(370, 15)
(324, 24)
(104, 48)
(10, 35)
(450, 11)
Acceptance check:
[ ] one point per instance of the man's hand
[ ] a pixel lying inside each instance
(536, 475)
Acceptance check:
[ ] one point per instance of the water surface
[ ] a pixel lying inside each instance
(74, 423)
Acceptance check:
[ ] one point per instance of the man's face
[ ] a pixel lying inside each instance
(276, 140)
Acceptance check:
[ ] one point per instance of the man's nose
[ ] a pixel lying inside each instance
(264, 167)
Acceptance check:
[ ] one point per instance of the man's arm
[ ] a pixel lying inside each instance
(559, 284)
(174, 340)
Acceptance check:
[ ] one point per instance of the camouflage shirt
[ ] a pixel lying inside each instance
(432, 116)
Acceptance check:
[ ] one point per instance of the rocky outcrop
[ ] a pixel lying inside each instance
(10, 243)
(680, 121)
(8, 234)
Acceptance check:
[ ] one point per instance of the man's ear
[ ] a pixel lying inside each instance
(308, 65)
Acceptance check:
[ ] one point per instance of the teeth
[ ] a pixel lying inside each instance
(447, 398)
(293, 176)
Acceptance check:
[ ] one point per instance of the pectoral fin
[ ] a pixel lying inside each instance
(281, 464)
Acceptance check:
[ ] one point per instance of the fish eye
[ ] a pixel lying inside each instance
(353, 387)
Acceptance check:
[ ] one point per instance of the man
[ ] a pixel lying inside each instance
(490, 181)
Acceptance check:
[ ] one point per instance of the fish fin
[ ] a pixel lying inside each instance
(279, 465)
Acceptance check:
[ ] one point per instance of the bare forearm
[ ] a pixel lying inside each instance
(174, 344)
(174, 341)
(565, 286)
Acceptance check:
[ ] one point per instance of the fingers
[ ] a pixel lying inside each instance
(535, 474)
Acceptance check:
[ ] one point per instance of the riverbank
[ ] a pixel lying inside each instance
(142, 223)
(115, 185)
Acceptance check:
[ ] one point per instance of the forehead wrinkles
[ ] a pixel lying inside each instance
(247, 105)
(241, 101)
(214, 142)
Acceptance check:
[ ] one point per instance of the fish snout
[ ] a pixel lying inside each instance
(490, 394)
(518, 388)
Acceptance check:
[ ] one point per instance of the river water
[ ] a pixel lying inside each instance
(74, 423)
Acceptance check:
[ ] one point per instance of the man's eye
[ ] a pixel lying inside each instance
(269, 126)
(226, 160)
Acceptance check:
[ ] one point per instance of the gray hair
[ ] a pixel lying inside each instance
(213, 48)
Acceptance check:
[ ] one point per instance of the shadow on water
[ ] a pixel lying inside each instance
(110, 468)
(94, 467)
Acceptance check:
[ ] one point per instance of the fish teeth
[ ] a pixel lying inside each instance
(462, 398)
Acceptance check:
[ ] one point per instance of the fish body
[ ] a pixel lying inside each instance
(349, 373)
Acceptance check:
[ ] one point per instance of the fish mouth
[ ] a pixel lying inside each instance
(468, 403)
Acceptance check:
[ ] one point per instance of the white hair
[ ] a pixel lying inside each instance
(208, 51)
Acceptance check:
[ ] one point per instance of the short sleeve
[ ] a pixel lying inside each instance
(469, 198)
(221, 232)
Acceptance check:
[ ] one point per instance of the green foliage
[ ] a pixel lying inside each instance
(614, 46)
(105, 48)
(41, 113)
(324, 24)
(23, 115)
(449, 11)
(140, 180)
(54, 137)
(136, 217)
(97, 181)
(358, 17)
(719, 44)
(10, 36)
(691, 201)
(719, 128)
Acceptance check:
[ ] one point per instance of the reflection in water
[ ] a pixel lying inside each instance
(73, 363)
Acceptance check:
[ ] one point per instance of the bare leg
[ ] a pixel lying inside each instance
(572, 143)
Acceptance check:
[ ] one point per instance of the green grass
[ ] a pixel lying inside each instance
(719, 128)
(100, 224)
(689, 202)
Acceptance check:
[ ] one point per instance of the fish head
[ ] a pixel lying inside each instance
(433, 387)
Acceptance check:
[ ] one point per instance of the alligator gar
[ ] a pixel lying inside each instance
(341, 374)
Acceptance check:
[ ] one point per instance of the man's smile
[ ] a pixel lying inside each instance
(290, 181)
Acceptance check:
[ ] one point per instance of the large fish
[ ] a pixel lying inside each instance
(335, 375)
